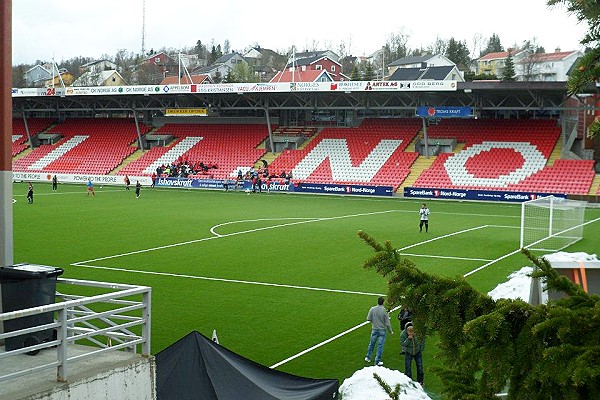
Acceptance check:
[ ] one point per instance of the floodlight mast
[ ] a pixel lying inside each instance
(187, 73)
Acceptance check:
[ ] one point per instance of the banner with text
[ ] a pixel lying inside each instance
(240, 88)
(464, 194)
(79, 178)
(444, 112)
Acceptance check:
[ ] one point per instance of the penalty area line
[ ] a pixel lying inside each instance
(513, 253)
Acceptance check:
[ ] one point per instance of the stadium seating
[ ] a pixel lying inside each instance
(508, 155)
(371, 154)
(229, 147)
(19, 134)
(88, 146)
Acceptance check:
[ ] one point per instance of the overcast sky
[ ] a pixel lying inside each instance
(48, 29)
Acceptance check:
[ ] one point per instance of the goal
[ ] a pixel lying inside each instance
(551, 223)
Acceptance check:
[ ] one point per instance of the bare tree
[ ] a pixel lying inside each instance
(438, 47)
(531, 64)
(397, 45)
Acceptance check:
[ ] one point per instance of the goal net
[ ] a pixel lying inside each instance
(551, 223)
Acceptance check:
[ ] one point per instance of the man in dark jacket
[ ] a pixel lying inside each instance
(413, 347)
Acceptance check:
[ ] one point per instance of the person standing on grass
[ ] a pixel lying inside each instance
(54, 183)
(90, 188)
(405, 317)
(138, 188)
(127, 182)
(413, 347)
(424, 213)
(380, 321)
(30, 194)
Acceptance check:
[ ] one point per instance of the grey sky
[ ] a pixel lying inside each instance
(61, 29)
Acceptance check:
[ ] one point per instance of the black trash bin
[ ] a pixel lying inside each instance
(25, 286)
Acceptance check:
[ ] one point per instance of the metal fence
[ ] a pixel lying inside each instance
(105, 316)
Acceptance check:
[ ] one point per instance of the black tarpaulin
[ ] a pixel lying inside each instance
(197, 368)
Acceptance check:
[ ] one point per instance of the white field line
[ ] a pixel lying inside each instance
(207, 278)
(331, 339)
(444, 257)
(230, 234)
(441, 237)
(213, 229)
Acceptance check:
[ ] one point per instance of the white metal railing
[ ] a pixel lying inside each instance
(106, 322)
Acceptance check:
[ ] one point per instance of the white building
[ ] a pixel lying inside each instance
(549, 67)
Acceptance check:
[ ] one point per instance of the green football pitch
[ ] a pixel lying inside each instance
(278, 276)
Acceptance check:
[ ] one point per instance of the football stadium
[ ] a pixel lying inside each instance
(203, 238)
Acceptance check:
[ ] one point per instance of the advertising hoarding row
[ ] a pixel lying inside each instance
(241, 88)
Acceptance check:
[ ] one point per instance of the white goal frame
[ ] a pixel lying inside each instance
(551, 223)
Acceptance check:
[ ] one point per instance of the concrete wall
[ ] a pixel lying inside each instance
(128, 380)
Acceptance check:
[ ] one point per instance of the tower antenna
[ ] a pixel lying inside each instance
(143, 28)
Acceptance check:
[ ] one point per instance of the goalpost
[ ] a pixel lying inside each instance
(551, 223)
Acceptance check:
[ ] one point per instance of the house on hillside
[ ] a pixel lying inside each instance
(221, 67)
(38, 74)
(162, 62)
(196, 79)
(421, 62)
(427, 67)
(317, 53)
(443, 73)
(302, 76)
(547, 67)
(315, 63)
(264, 62)
(62, 77)
(102, 78)
(97, 66)
(494, 63)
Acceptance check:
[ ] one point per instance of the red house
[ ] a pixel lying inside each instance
(312, 69)
(163, 61)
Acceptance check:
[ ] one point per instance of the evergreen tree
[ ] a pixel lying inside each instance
(230, 77)
(540, 352)
(356, 75)
(18, 75)
(369, 72)
(508, 73)
(458, 53)
(493, 45)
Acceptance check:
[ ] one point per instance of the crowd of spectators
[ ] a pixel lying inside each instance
(182, 168)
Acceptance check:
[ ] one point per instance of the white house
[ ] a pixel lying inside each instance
(97, 66)
(548, 67)
(219, 69)
(101, 78)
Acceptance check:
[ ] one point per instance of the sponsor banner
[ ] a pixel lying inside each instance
(79, 178)
(190, 183)
(273, 186)
(444, 112)
(279, 87)
(186, 112)
(325, 188)
(35, 92)
(486, 195)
